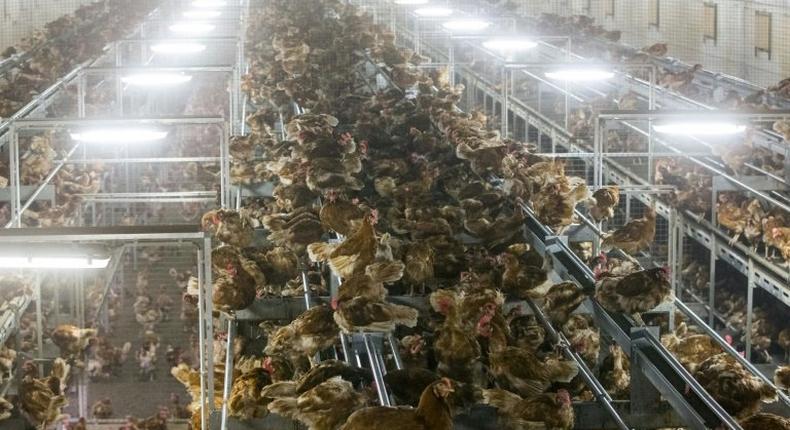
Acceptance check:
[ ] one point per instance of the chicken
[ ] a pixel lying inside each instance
(764, 421)
(656, 49)
(312, 331)
(782, 127)
(432, 412)
(603, 202)
(690, 349)
(42, 399)
(634, 236)
(739, 392)
(353, 254)
(71, 340)
(455, 345)
(329, 369)
(102, 409)
(340, 216)
(233, 290)
(583, 337)
(527, 332)
(323, 407)
(519, 369)
(519, 280)
(780, 238)
(369, 284)
(362, 313)
(782, 378)
(408, 384)
(228, 226)
(634, 293)
(731, 215)
(615, 373)
(5, 409)
(548, 410)
(245, 402)
(561, 300)
(419, 265)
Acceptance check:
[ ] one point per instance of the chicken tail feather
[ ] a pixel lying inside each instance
(404, 315)
(285, 407)
(319, 251)
(562, 371)
(503, 400)
(386, 271)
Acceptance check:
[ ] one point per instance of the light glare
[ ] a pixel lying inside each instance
(193, 28)
(209, 3)
(580, 75)
(119, 135)
(156, 79)
(509, 45)
(178, 48)
(429, 12)
(470, 25)
(53, 263)
(410, 2)
(700, 128)
(202, 14)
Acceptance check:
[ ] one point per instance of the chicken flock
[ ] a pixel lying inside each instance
(390, 192)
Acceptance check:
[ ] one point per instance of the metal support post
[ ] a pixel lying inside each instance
(228, 373)
(207, 320)
(378, 375)
(204, 413)
(749, 307)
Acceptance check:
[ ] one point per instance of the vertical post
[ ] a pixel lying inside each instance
(378, 377)
(224, 185)
(201, 342)
(39, 324)
(712, 275)
(208, 319)
(16, 183)
(81, 83)
(118, 83)
(596, 151)
(505, 99)
(749, 308)
(451, 60)
(228, 373)
(395, 352)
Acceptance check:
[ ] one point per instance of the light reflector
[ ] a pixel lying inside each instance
(178, 48)
(580, 75)
(202, 14)
(433, 12)
(53, 263)
(192, 28)
(209, 3)
(466, 25)
(700, 128)
(156, 79)
(509, 44)
(119, 135)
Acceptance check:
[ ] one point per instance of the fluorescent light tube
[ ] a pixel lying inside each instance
(509, 44)
(53, 263)
(433, 12)
(468, 25)
(700, 128)
(580, 75)
(410, 2)
(119, 135)
(178, 48)
(209, 3)
(193, 28)
(202, 14)
(156, 79)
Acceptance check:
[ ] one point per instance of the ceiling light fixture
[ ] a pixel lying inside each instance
(192, 28)
(119, 135)
(466, 25)
(580, 75)
(53, 262)
(156, 79)
(433, 12)
(178, 48)
(700, 128)
(410, 2)
(509, 44)
(202, 14)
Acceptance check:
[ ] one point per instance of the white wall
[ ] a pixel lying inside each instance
(20, 18)
(681, 27)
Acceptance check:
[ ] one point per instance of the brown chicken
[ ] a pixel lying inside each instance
(233, 289)
(561, 300)
(519, 280)
(782, 378)
(228, 226)
(340, 216)
(548, 410)
(739, 392)
(455, 345)
(635, 236)
(634, 293)
(419, 261)
(603, 202)
(656, 49)
(432, 412)
(369, 284)
(311, 332)
(690, 349)
(323, 407)
(102, 409)
(780, 239)
(731, 215)
(765, 421)
(362, 313)
(42, 399)
(408, 384)
(519, 369)
(583, 337)
(72, 340)
(615, 373)
(245, 402)
(353, 254)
